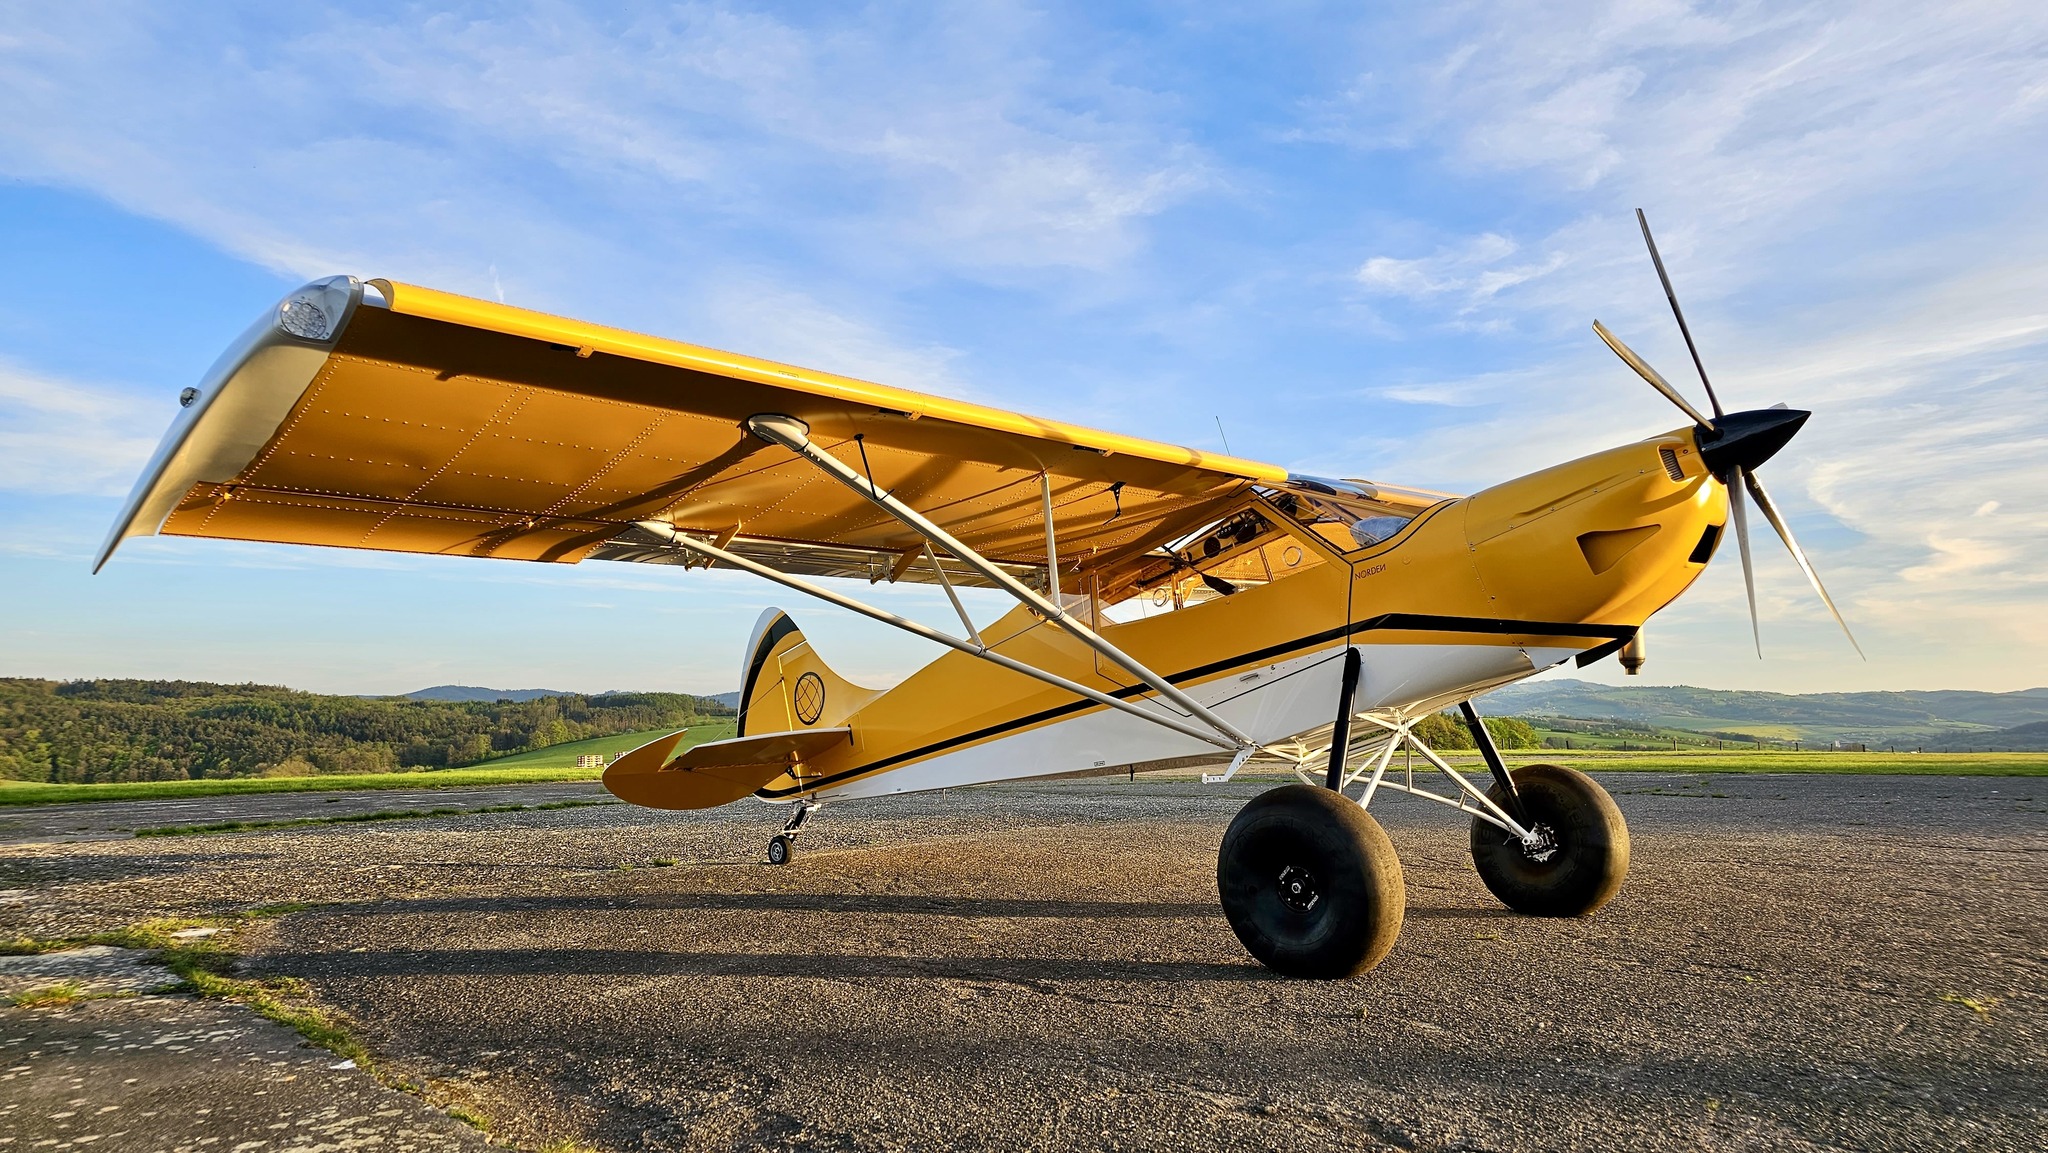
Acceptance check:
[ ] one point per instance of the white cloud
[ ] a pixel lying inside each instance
(62, 437)
(792, 327)
(1848, 201)
(1453, 268)
(948, 137)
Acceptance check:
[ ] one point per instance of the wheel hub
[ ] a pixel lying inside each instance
(1541, 844)
(1298, 889)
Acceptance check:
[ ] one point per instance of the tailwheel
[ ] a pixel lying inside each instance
(1310, 883)
(780, 849)
(1576, 857)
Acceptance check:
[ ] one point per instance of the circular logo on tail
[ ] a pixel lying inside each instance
(809, 698)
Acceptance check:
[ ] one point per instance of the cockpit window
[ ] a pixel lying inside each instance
(1249, 548)
(1348, 522)
(1374, 529)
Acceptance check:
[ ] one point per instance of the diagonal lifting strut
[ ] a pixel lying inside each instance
(794, 435)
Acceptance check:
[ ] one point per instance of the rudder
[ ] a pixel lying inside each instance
(786, 687)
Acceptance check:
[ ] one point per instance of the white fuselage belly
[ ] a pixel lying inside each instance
(1270, 703)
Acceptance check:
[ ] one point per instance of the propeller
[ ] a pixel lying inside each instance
(1732, 445)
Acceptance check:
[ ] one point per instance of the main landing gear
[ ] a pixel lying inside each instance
(782, 846)
(1311, 884)
(1577, 857)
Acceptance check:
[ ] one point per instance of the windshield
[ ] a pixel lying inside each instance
(1348, 522)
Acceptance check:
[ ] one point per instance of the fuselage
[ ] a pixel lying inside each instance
(1472, 593)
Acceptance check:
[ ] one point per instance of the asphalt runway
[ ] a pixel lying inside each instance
(1800, 962)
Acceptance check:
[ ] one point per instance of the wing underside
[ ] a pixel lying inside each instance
(433, 423)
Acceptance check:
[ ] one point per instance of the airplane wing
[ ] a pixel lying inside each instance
(389, 416)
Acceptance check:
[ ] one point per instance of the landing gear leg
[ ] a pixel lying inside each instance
(1504, 792)
(783, 846)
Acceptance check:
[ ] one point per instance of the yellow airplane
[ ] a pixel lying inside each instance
(1173, 607)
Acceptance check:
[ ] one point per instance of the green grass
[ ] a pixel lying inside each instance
(555, 763)
(471, 1118)
(1981, 1006)
(49, 996)
(1744, 761)
(564, 756)
(1750, 761)
(31, 793)
(1734, 761)
(558, 763)
(203, 967)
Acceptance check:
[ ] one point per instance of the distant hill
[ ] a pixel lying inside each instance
(1872, 717)
(473, 693)
(2031, 738)
(729, 700)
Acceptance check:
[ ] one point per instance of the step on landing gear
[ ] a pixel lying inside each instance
(783, 845)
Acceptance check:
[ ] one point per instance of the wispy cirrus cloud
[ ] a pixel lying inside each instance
(1847, 202)
(1473, 271)
(60, 436)
(1366, 243)
(946, 139)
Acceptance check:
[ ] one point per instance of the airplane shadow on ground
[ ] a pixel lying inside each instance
(851, 903)
(423, 964)
(889, 904)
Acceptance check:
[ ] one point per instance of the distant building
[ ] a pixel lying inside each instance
(590, 761)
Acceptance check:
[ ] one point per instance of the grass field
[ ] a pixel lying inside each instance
(559, 764)
(556, 763)
(1749, 761)
(564, 756)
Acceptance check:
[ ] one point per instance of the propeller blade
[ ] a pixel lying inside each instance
(1677, 312)
(1643, 369)
(1770, 511)
(1742, 539)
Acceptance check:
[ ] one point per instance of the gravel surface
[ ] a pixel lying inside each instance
(174, 1074)
(1796, 962)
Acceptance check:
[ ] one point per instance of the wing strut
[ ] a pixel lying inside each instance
(669, 532)
(794, 435)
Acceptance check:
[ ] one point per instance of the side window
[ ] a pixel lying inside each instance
(1244, 550)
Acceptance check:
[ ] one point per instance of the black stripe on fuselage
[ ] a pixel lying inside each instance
(1395, 622)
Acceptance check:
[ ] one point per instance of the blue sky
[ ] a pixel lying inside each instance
(1371, 242)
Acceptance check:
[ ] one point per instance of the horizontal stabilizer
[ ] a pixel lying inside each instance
(713, 773)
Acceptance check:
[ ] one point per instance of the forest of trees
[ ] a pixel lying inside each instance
(1448, 731)
(89, 731)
